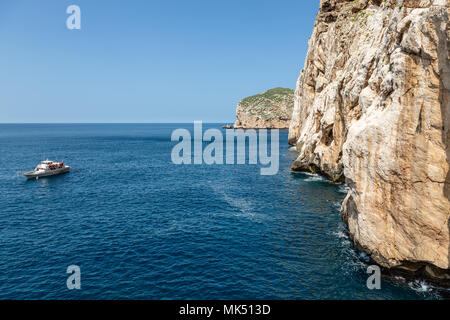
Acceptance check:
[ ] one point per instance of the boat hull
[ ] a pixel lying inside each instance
(47, 173)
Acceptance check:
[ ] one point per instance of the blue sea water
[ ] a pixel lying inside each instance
(141, 227)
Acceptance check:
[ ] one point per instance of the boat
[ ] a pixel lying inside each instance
(47, 168)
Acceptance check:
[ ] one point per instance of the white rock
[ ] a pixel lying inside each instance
(375, 110)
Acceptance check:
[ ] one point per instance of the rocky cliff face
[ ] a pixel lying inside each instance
(372, 108)
(271, 109)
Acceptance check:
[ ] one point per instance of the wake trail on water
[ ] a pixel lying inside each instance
(244, 206)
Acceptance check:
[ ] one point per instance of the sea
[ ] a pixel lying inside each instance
(139, 226)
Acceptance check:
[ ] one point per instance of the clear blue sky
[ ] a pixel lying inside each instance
(146, 61)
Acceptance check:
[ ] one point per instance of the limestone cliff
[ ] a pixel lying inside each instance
(372, 108)
(271, 109)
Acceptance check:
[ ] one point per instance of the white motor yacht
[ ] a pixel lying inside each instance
(47, 168)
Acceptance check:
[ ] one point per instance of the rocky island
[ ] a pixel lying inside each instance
(372, 109)
(271, 109)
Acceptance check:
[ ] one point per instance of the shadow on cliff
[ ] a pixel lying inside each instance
(445, 100)
(447, 178)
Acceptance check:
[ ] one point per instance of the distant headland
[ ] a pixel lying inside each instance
(271, 109)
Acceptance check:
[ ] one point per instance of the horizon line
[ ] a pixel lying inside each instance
(181, 122)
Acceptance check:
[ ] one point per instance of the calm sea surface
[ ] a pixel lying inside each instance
(141, 227)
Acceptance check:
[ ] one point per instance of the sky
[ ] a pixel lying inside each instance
(146, 61)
